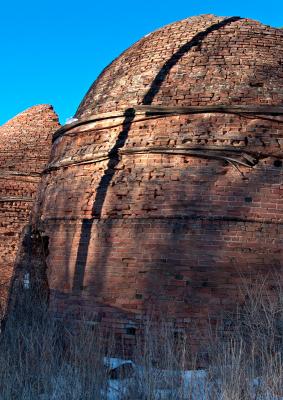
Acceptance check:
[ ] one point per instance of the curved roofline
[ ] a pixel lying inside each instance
(31, 110)
(147, 98)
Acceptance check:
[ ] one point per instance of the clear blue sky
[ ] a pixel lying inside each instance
(51, 51)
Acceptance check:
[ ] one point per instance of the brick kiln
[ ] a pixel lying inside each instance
(25, 144)
(168, 188)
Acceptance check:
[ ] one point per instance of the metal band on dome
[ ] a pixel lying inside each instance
(146, 112)
(247, 109)
(243, 158)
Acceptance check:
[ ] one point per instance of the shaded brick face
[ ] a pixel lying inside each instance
(136, 220)
(25, 144)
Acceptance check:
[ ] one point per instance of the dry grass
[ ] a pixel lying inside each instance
(41, 359)
(246, 362)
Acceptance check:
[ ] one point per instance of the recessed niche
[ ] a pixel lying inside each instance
(131, 331)
(277, 163)
(256, 84)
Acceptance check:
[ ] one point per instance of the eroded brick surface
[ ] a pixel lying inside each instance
(25, 144)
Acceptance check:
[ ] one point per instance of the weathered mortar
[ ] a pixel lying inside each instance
(149, 210)
(25, 145)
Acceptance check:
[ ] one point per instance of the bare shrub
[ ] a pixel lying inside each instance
(40, 358)
(162, 354)
(46, 359)
(246, 359)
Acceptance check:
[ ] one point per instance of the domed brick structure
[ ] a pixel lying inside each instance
(25, 144)
(167, 190)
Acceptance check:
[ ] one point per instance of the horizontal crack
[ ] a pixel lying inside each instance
(11, 198)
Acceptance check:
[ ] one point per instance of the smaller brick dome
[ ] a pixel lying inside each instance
(25, 145)
(24, 138)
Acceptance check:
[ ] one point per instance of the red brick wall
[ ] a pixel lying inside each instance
(180, 231)
(25, 144)
(175, 232)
